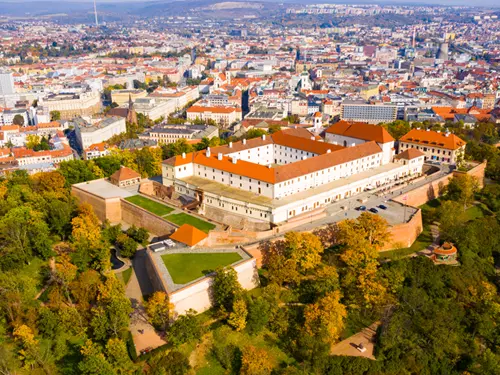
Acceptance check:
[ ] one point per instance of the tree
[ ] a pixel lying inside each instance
(255, 133)
(185, 328)
(397, 128)
(140, 235)
(325, 319)
(159, 310)
(24, 233)
(303, 248)
(86, 229)
(111, 314)
(18, 120)
(462, 189)
(225, 288)
(94, 362)
(237, 318)
(258, 315)
(32, 140)
(127, 245)
(371, 228)
(361, 239)
(55, 115)
(118, 358)
(274, 128)
(255, 361)
(177, 148)
(49, 182)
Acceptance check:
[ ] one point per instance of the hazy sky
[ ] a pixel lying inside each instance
(440, 2)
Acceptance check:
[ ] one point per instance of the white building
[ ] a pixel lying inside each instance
(91, 133)
(6, 83)
(436, 146)
(278, 177)
(349, 134)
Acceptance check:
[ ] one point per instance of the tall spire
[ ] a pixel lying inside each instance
(95, 14)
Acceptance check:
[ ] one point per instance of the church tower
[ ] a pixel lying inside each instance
(131, 115)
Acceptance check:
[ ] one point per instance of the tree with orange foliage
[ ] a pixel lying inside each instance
(256, 361)
(325, 319)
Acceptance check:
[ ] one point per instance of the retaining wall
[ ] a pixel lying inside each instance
(105, 209)
(138, 216)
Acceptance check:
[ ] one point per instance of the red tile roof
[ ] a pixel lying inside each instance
(124, 174)
(409, 154)
(432, 138)
(361, 130)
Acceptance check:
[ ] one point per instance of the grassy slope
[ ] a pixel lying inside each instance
(150, 205)
(183, 218)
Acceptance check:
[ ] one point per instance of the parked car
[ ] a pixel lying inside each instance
(374, 210)
(361, 208)
(382, 206)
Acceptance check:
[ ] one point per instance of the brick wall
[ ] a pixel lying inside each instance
(434, 189)
(109, 209)
(404, 235)
(135, 215)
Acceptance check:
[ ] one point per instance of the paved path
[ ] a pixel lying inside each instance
(348, 347)
(138, 286)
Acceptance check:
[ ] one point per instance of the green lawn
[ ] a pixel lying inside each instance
(125, 275)
(422, 242)
(150, 205)
(183, 218)
(477, 212)
(188, 267)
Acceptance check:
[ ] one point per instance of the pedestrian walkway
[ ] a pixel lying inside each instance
(366, 338)
(143, 333)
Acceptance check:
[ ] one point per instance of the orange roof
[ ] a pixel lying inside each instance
(431, 138)
(124, 174)
(200, 109)
(361, 130)
(282, 172)
(409, 154)
(189, 235)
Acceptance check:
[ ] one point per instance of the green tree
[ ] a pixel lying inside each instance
(185, 328)
(118, 358)
(225, 288)
(237, 318)
(55, 116)
(127, 245)
(94, 361)
(462, 189)
(258, 315)
(18, 120)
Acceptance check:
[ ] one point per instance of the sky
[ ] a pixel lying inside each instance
(437, 2)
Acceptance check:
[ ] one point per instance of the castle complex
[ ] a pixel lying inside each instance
(277, 177)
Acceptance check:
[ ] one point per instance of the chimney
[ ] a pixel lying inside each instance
(219, 156)
(328, 151)
(304, 157)
(208, 152)
(235, 159)
(263, 137)
(313, 137)
(230, 144)
(244, 141)
(428, 130)
(269, 166)
(438, 131)
(184, 155)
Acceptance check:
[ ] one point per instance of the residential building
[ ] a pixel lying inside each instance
(436, 146)
(224, 116)
(165, 134)
(98, 131)
(371, 113)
